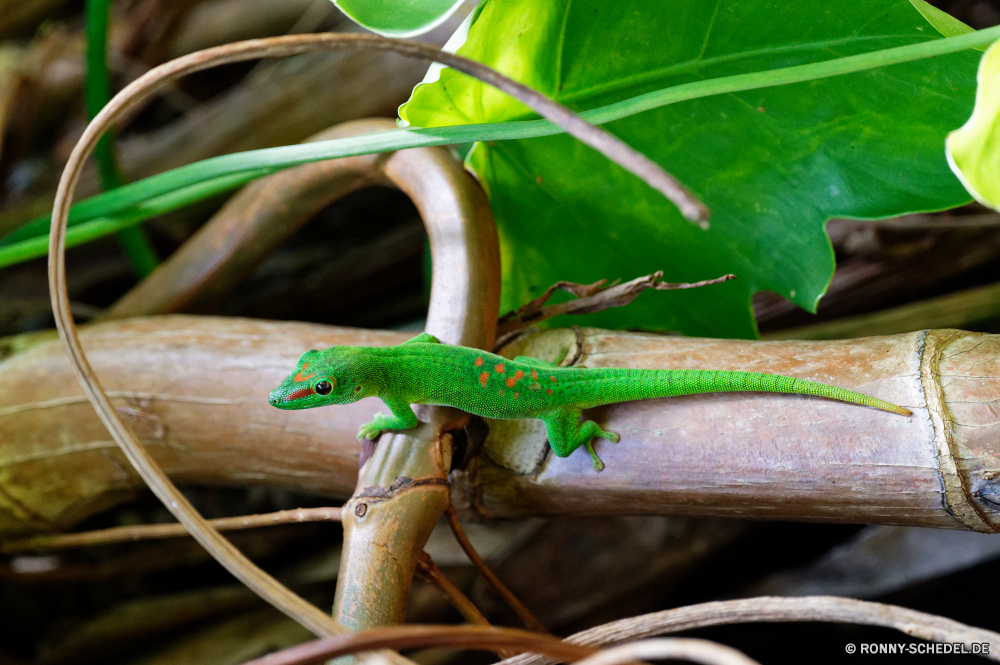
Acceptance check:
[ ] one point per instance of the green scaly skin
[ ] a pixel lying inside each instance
(424, 371)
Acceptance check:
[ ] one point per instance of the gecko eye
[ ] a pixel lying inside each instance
(323, 388)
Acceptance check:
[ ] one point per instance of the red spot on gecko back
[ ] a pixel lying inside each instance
(548, 390)
(516, 395)
(518, 375)
(534, 375)
(553, 379)
(499, 368)
(511, 381)
(479, 362)
(483, 378)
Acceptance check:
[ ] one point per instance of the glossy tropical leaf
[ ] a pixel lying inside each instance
(974, 148)
(773, 164)
(398, 18)
(943, 22)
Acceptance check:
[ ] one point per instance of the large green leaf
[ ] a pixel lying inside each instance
(398, 18)
(943, 22)
(974, 148)
(773, 164)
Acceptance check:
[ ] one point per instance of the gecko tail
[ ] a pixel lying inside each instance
(691, 382)
(776, 383)
(844, 395)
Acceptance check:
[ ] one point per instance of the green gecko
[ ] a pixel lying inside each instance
(424, 371)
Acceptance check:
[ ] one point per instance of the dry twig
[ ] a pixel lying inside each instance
(408, 637)
(506, 594)
(124, 534)
(674, 648)
(590, 298)
(430, 573)
(779, 610)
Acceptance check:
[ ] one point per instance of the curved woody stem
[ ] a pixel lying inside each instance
(241, 567)
(508, 597)
(780, 610)
(142, 88)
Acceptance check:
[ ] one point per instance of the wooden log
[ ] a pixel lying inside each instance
(195, 389)
(771, 457)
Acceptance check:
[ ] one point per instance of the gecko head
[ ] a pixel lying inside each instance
(322, 378)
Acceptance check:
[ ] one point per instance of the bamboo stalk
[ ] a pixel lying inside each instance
(955, 310)
(195, 390)
(774, 457)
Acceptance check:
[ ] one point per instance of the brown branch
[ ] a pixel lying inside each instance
(673, 648)
(430, 573)
(781, 610)
(409, 637)
(935, 222)
(123, 534)
(47, 438)
(506, 594)
(958, 309)
(590, 298)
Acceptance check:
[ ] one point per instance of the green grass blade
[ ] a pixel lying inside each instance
(182, 180)
(134, 241)
(93, 229)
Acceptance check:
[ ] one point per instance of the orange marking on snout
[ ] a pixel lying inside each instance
(511, 381)
(499, 368)
(534, 375)
(479, 362)
(483, 378)
(553, 379)
(305, 392)
(548, 390)
(299, 377)
(535, 386)
(518, 375)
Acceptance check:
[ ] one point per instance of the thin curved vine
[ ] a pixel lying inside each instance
(779, 610)
(224, 173)
(221, 549)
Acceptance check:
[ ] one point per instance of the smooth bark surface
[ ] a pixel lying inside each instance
(194, 389)
(769, 456)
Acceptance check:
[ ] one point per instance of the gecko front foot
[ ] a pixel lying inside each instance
(372, 430)
(382, 422)
(369, 431)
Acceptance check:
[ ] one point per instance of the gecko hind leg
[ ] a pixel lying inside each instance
(566, 433)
